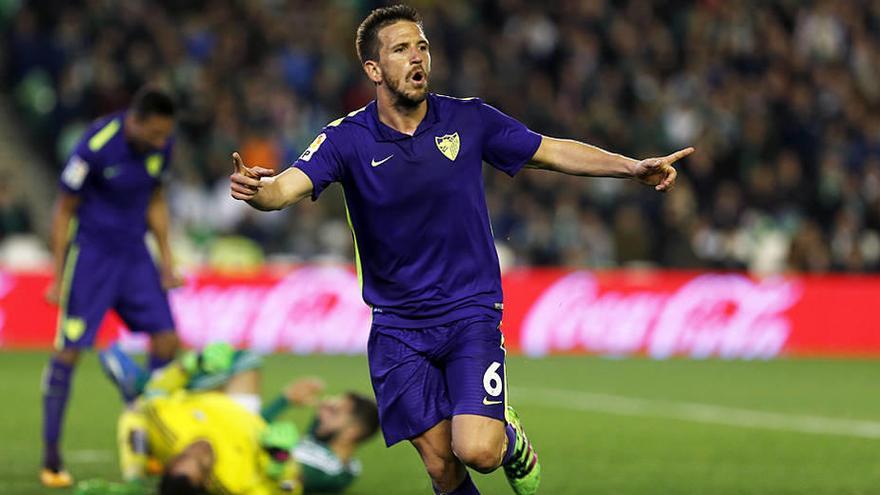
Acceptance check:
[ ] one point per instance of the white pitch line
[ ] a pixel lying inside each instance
(87, 456)
(6, 485)
(696, 412)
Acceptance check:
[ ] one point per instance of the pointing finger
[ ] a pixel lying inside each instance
(240, 167)
(678, 155)
(237, 163)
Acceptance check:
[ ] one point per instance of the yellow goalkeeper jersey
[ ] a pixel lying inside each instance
(176, 421)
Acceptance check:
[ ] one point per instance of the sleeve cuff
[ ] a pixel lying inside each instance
(512, 171)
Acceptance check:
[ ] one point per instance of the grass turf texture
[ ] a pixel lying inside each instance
(582, 451)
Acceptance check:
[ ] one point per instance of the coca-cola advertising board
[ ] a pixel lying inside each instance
(660, 314)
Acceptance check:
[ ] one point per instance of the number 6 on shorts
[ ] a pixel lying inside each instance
(492, 381)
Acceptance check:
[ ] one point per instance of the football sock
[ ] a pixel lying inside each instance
(467, 487)
(56, 389)
(522, 460)
(511, 443)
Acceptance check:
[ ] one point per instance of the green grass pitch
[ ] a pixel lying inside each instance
(601, 426)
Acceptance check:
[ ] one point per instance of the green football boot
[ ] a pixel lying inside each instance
(523, 470)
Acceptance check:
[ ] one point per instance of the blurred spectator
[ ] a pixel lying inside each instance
(780, 98)
(14, 217)
(809, 251)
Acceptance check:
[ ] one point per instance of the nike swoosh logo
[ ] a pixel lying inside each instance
(374, 163)
(487, 402)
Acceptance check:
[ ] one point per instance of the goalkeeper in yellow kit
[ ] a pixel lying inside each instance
(206, 441)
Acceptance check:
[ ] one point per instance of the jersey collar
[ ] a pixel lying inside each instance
(386, 133)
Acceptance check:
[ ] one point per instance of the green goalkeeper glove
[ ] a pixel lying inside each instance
(278, 440)
(214, 358)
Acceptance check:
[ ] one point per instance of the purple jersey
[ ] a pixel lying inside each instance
(115, 183)
(417, 207)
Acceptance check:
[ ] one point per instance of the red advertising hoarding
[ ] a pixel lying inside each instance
(650, 313)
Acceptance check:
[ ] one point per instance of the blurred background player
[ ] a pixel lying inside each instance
(110, 195)
(325, 454)
(410, 164)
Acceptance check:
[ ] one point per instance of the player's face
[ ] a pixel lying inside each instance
(405, 61)
(194, 462)
(334, 416)
(150, 133)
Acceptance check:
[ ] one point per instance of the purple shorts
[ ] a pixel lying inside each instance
(423, 376)
(96, 280)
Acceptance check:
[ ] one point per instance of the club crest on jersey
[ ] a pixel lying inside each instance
(448, 145)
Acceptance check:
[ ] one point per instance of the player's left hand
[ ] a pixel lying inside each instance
(659, 172)
(171, 279)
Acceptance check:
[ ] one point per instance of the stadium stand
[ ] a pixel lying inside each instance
(780, 99)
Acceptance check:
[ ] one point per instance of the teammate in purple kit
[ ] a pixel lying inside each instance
(410, 165)
(110, 195)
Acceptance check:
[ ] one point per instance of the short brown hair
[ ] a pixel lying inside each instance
(368, 32)
(365, 413)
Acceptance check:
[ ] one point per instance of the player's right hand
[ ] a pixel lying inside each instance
(53, 293)
(246, 181)
(281, 435)
(278, 440)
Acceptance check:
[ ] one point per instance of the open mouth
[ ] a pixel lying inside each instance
(418, 78)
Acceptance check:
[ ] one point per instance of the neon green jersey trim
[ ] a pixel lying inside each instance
(154, 164)
(340, 119)
(357, 254)
(73, 328)
(101, 137)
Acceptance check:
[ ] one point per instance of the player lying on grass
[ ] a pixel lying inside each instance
(324, 456)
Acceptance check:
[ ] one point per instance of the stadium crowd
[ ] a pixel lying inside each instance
(780, 99)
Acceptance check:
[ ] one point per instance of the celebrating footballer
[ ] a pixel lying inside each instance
(410, 165)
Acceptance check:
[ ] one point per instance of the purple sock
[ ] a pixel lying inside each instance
(467, 487)
(56, 389)
(511, 443)
(156, 362)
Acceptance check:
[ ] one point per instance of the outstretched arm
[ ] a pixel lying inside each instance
(301, 392)
(575, 158)
(264, 190)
